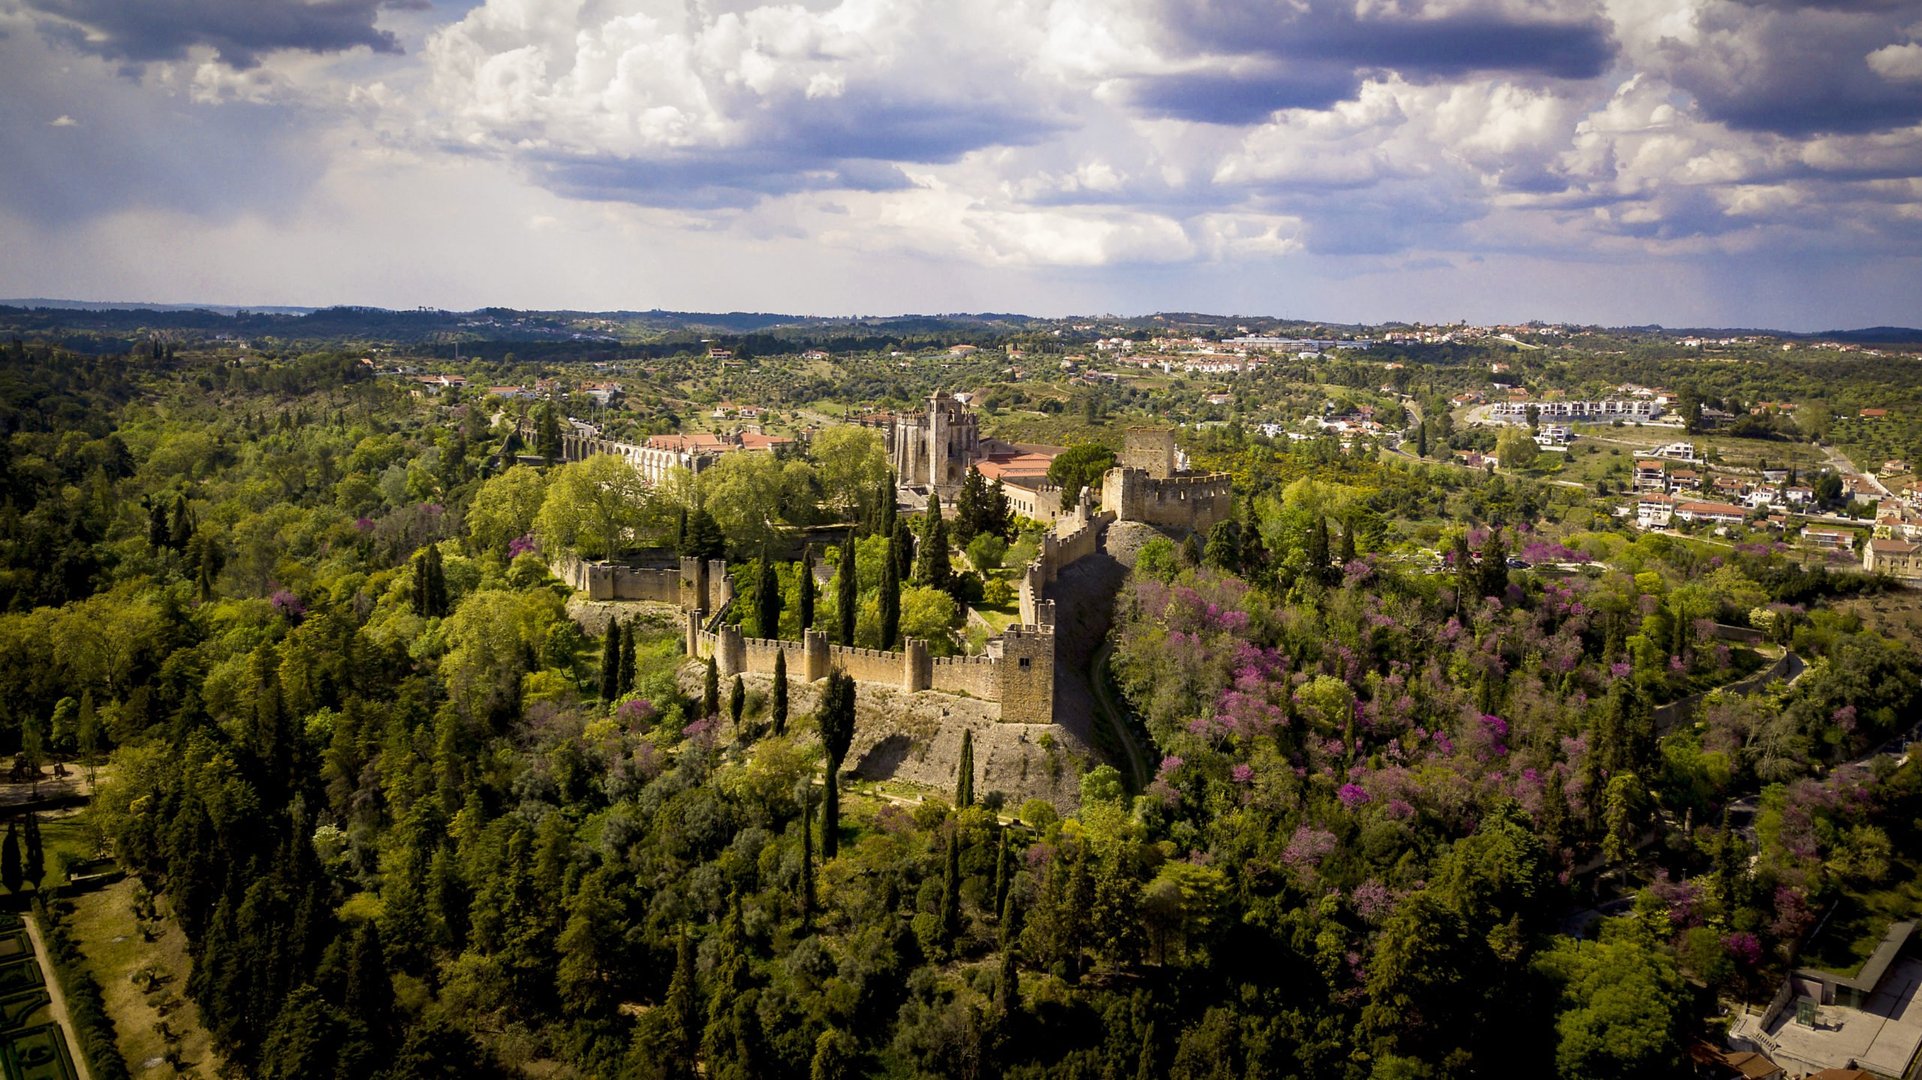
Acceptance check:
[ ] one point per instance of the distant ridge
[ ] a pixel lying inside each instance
(136, 305)
(747, 322)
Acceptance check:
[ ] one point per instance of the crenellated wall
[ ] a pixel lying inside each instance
(1057, 552)
(1183, 502)
(910, 669)
(696, 585)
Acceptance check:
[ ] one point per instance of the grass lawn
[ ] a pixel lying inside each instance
(1861, 918)
(103, 923)
(64, 833)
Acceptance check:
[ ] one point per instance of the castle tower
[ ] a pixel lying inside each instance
(1027, 676)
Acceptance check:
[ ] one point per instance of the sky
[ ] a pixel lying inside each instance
(1687, 162)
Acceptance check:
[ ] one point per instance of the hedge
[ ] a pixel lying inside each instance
(85, 1005)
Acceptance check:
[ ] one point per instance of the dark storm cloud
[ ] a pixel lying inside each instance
(709, 181)
(1244, 97)
(1796, 70)
(1263, 59)
(141, 31)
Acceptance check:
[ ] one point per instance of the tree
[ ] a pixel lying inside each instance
(890, 604)
(590, 949)
(807, 853)
(504, 508)
(850, 460)
(702, 538)
(1493, 579)
(547, 437)
(928, 614)
(835, 717)
(592, 507)
(683, 1002)
(626, 674)
(430, 584)
(931, 564)
(951, 890)
(1421, 439)
(1516, 448)
(964, 772)
(711, 690)
(901, 547)
(1623, 1003)
(1318, 549)
(804, 600)
(611, 662)
(767, 599)
(777, 707)
(10, 873)
(836, 1056)
(847, 584)
(1078, 467)
(736, 702)
(972, 515)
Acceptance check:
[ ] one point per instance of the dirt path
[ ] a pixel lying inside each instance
(57, 996)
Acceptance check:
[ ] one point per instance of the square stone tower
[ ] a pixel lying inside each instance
(1152, 450)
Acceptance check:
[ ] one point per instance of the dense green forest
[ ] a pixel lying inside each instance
(416, 820)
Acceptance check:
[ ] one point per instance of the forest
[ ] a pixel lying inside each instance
(1409, 818)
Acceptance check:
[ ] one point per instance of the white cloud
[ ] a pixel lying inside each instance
(63, 120)
(1898, 63)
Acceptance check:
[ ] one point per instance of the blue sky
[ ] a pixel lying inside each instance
(1690, 162)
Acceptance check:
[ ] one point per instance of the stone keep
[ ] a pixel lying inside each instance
(1027, 676)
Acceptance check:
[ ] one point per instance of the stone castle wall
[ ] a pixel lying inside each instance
(1194, 503)
(1024, 670)
(694, 585)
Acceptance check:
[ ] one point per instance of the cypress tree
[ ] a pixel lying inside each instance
(847, 591)
(951, 890)
(1421, 439)
(1348, 552)
(901, 546)
(807, 854)
(804, 602)
(767, 599)
(1318, 547)
(1494, 576)
(611, 662)
(964, 772)
(684, 1002)
(836, 721)
(1000, 875)
(777, 707)
(626, 681)
(932, 567)
(736, 702)
(1000, 519)
(970, 508)
(548, 434)
(370, 990)
(711, 690)
(887, 505)
(36, 861)
(890, 604)
(10, 873)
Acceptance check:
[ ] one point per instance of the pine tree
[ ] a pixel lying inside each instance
(181, 531)
(704, 538)
(736, 703)
(836, 721)
(1000, 518)
(611, 662)
(626, 683)
(1318, 547)
(1348, 552)
(711, 690)
(1553, 825)
(964, 773)
(890, 604)
(370, 990)
(847, 591)
(156, 524)
(804, 601)
(767, 599)
(777, 705)
(932, 566)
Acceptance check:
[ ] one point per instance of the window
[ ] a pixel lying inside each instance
(1026, 662)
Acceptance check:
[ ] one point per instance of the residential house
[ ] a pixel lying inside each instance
(1711, 512)
(1654, 511)
(1900, 559)
(1651, 475)
(1829, 539)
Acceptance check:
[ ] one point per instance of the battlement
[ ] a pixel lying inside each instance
(1194, 501)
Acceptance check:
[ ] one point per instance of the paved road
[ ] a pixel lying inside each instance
(57, 996)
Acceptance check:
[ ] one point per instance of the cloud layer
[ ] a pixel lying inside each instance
(1112, 141)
